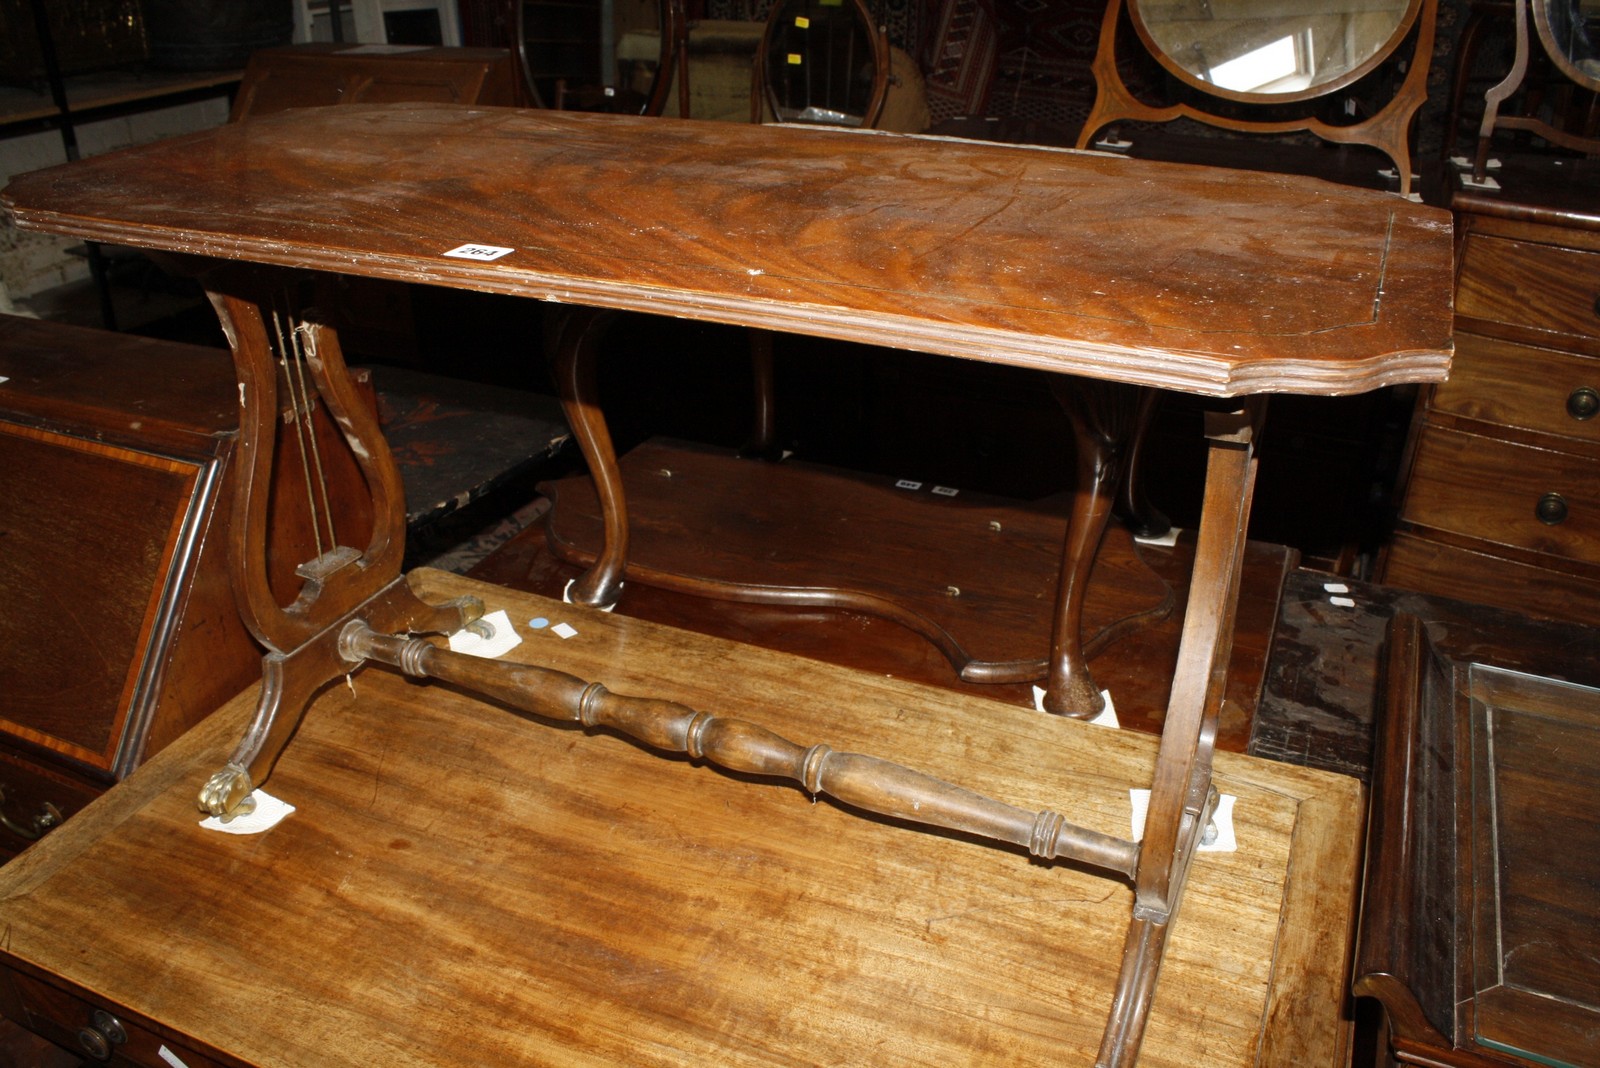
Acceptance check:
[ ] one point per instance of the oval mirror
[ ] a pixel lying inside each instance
(822, 63)
(1570, 30)
(1272, 51)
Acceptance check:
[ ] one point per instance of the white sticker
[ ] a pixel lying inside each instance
(267, 814)
(1170, 538)
(482, 253)
(906, 483)
(1336, 587)
(1224, 839)
(171, 1058)
(503, 639)
(1106, 718)
(1341, 602)
(565, 630)
(945, 491)
(3, 378)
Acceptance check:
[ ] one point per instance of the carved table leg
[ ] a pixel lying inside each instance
(1180, 795)
(1103, 415)
(577, 340)
(274, 342)
(1133, 506)
(763, 443)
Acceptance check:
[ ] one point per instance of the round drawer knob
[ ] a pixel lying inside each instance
(1551, 509)
(99, 1038)
(1583, 403)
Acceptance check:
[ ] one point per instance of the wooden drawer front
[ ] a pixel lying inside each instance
(1490, 489)
(62, 1017)
(1415, 563)
(34, 799)
(1546, 390)
(1537, 286)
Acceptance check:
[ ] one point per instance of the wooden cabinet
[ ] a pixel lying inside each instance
(1502, 500)
(316, 75)
(119, 629)
(1482, 889)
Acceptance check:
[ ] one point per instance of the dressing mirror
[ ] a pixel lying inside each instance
(821, 61)
(1569, 32)
(1264, 54)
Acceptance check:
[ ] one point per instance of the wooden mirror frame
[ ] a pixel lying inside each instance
(1379, 56)
(764, 98)
(1497, 95)
(1388, 130)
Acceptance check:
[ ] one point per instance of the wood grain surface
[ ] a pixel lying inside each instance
(1207, 280)
(461, 886)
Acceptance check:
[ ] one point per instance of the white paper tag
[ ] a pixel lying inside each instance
(1106, 718)
(1169, 539)
(171, 1058)
(481, 253)
(1222, 818)
(504, 640)
(907, 484)
(268, 813)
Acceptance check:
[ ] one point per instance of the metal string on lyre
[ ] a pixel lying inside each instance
(302, 395)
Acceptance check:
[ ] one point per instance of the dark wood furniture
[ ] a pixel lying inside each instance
(120, 631)
(1322, 695)
(1214, 282)
(1483, 884)
(973, 567)
(1501, 504)
(460, 887)
(320, 74)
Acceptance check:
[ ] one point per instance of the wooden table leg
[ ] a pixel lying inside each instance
(270, 341)
(1104, 416)
(1180, 795)
(576, 340)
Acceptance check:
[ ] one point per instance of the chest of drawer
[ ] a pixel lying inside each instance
(1526, 284)
(1537, 499)
(1544, 390)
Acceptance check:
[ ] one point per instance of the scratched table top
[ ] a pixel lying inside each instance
(1206, 280)
(459, 885)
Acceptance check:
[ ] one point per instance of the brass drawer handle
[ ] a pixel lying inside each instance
(1551, 509)
(47, 817)
(100, 1038)
(1583, 403)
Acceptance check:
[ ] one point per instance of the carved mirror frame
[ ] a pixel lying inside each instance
(1387, 130)
(1493, 120)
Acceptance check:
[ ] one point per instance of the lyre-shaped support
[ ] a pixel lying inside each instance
(341, 582)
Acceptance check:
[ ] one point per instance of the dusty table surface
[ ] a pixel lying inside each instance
(1201, 279)
(459, 885)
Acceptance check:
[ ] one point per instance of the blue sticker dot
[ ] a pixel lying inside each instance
(538, 623)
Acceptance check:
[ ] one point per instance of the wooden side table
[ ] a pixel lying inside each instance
(1127, 274)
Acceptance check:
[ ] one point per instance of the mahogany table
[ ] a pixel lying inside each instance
(1129, 274)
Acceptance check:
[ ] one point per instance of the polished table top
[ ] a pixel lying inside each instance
(1205, 280)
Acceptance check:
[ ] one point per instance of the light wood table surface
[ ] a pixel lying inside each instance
(459, 885)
